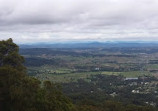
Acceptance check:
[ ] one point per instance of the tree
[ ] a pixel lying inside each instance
(9, 55)
(55, 100)
(19, 92)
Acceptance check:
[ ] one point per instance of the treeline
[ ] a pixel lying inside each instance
(37, 61)
(19, 92)
(133, 49)
(53, 52)
(74, 52)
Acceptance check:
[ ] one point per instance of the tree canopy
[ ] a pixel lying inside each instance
(19, 92)
(9, 55)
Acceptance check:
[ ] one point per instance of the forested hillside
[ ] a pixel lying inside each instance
(19, 92)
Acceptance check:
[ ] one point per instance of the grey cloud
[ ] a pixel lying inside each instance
(71, 19)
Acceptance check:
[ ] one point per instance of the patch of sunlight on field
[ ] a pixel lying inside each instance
(135, 73)
(128, 74)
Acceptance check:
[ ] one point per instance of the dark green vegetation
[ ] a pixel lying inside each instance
(90, 78)
(101, 88)
(19, 92)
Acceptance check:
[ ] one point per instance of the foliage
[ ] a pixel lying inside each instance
(18, 92)
(102, 88)
(9, 55)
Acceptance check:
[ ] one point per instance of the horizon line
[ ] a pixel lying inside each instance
(80, 42)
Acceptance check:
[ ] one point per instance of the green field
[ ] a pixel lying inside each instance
(67, 75)
(64, 65)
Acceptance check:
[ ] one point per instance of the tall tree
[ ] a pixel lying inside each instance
(9, 55)
(19, 92)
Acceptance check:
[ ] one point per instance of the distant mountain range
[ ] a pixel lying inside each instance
(90, 45)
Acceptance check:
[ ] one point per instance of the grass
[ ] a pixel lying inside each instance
(128, 74)
(135, 73)
(152, 66)
(63, 78)
(65, 75)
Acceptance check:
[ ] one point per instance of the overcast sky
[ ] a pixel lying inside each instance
(29, 21)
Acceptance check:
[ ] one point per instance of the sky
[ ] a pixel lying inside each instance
(32, 21)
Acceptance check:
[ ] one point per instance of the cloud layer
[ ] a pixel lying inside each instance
(29, 21)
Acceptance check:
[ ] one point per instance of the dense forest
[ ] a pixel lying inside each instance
(20, 92)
